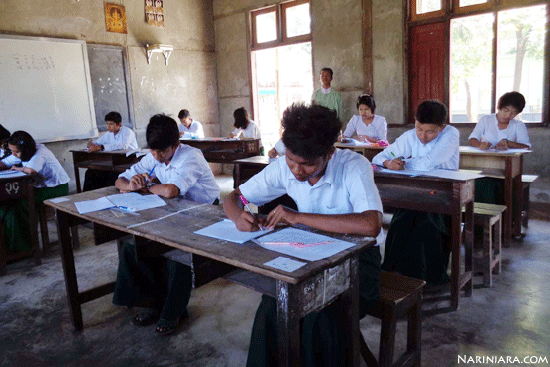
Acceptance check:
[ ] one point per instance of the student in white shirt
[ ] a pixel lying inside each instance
(417, 242)
(160, 285)
(501, 130)
(189, 128)
(278, 150)
(334, 191)
(6, 158)
(117, 137)
(366, 127)
(246, 127)
(52, 181)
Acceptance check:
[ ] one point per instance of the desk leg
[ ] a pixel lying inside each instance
(508, 200)
(517, 204)
(350, 301)
(468, 241)
(288, 324)
(67, 258)
(77, 178)
(237, 174)
(455, 260)
(33, 223)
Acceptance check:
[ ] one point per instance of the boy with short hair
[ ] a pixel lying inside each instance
(170, 169)
(334, 191)
(501, 130)
(417, 242)
(189, 127)
(116, 137)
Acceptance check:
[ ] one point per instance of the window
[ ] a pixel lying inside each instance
(281, 63)
(519, 62)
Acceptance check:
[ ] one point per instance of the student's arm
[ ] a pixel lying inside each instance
(200, 131)
(443, 151)
(126, 141)
(26, 170)
(244, 221)
(389, 157)
(382, 129)
(516, 145)
(3, 166)
(483, 145)
(350, 128)
(522, 138)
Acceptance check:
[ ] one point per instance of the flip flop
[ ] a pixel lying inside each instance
(145, 317)
(169, 327)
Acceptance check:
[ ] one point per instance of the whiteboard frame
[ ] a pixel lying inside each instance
(94, 132)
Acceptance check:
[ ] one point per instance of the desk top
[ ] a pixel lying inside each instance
(175, 223)
(118, 151)
(259, 160)
(477, 151)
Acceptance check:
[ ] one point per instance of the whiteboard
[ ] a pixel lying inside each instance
(45, 88)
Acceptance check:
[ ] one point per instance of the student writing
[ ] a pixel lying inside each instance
(159, 285)
(366, 126)
(334, 191)
(417, 242)
(52, 181)
(116, 137)
(189, 127)
(6, 158)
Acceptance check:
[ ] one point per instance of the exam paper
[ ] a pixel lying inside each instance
(285, 264)
(136, 202)
(327, 246)
(9, 173)
(226, 230)
(88, 206)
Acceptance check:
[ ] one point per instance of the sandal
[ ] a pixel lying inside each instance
(165, 328)
(145, 317)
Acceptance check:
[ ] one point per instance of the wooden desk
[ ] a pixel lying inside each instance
(113, 161)
(505, 165)
(21, 187)
(248, 167)
(438, 195)
(219, 150)
(307, 289)
(367, 150)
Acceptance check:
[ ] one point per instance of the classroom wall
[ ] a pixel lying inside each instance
(188, 81)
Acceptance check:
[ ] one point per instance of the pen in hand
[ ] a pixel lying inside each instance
(245, 203)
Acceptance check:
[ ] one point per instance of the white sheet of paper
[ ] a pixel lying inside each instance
(226, 230)
(9, 173)
(135, 201)
(88, 206)
(312, 253)
(285, 264)
(59, 200)
(404, 172)
(493, 150)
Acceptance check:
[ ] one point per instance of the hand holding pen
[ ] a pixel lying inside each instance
(245, 203)
(395, 164)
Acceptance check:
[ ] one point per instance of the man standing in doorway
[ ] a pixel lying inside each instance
(326, 96)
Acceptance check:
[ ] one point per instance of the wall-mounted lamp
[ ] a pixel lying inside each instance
(165, 49)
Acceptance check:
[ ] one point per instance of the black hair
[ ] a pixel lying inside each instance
(183, 114)
(4, 135)
(367, 100)
(25, 143)
(514, 99)
(431, 112)
(310, 131)
(327, 69)
(114, 117)
(241, 118)
(162, 132)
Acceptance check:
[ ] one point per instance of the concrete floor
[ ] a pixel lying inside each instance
(512, 319)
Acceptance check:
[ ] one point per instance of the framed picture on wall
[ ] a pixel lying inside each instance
(115, 18)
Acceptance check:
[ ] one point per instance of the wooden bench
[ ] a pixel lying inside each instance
(489, 216)
(399, 296)
(526, 181)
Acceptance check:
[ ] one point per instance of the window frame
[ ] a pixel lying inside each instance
(280, 19)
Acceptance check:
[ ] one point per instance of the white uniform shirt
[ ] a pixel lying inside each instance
(440, 153)
(377, 129)
(47, 166)
(194, 131)
(10, 160)
(280, 147)
(188, 170)
(487, 130)
(124, 139)
(346, 187)
(251, 132)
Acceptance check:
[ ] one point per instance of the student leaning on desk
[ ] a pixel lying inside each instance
(417, 242)
(52, 182)
(116, 137)
(189, 127)
(366, 127)
(6, 158)
(159, 285)
(334, 191)
(499, 131)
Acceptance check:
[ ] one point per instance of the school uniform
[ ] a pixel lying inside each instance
(280, 147)
(330, 99)
(417, 242)
(9, 160)
(377, 129)
(193, 131)
(124, 139)
(252, 131)
(52, 181)
(152, 280)
(346, 187)
(491, 190)
(487, 130)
